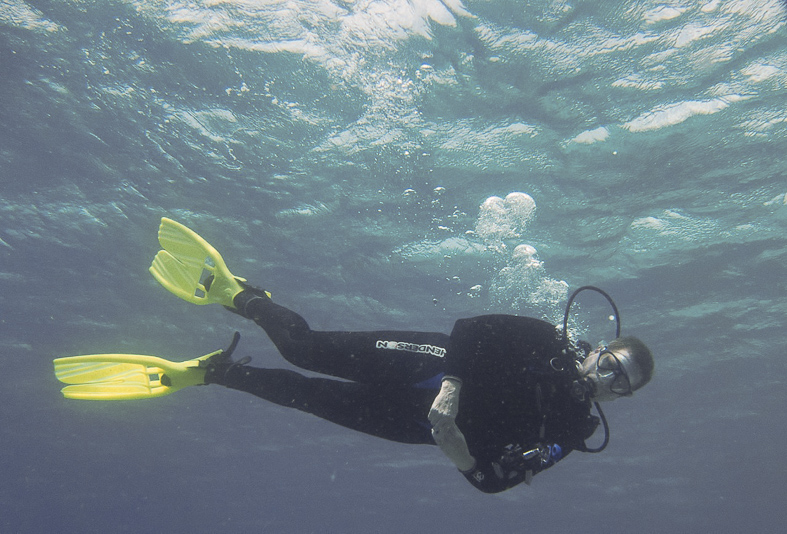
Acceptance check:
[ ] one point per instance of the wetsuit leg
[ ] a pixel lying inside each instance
(392, 358)
(397, 414)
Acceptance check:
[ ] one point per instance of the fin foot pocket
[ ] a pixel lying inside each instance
(219, 364)
(244, 298)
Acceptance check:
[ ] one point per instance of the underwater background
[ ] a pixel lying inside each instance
(393, 164)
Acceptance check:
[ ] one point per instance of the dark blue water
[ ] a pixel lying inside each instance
(357, 160)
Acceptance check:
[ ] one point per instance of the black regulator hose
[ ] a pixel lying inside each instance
(597, 290)
(617, 335)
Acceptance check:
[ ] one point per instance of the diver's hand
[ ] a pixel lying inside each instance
(452, 442)
(446, 404)
(445, 433)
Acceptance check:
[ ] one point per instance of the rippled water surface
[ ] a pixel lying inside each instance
(392, 164)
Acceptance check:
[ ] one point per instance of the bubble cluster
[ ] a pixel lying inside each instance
(523, 283)
(500, 219)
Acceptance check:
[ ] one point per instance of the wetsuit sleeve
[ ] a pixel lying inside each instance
(468, 340)
(513, 467)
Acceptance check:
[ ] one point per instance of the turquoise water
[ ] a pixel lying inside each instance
(392, 164)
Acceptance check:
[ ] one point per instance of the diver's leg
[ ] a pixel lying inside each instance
(393, 414)
(382, 357)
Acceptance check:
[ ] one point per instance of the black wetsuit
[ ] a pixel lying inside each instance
(516, 394)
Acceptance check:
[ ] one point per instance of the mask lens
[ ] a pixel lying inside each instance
(621, 386)
(608, 365)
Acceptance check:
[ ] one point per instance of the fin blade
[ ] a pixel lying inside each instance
(75, 372)
(126, 376)
(185, 244)
(108, 380)
(184, 263)
(113, 391)
(180, 279)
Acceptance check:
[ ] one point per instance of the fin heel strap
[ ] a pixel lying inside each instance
(243, 299)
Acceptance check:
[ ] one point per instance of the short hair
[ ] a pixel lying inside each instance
(640, 356)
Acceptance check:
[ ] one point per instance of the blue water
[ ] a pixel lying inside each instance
(357, 159)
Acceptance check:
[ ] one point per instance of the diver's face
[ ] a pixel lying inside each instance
(610, 372)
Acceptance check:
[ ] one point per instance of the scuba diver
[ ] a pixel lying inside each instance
(504, 397)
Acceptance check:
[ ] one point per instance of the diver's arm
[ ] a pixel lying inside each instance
(486, 475)
(445, 433)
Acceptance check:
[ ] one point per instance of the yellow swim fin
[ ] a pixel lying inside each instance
(190, 268)
(131, 376)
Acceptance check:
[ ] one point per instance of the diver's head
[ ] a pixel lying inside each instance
(618, 369)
